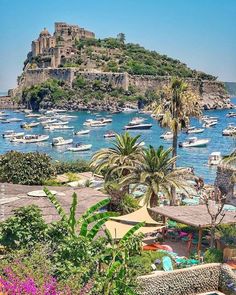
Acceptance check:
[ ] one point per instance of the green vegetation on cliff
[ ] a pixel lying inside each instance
(113, 55)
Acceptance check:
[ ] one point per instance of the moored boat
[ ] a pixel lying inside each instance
(138, 127)
(82, 132)
(167, 135)
(194, 142)
(62, 127)
(192, 130)
(15, 120)
(209, 123)
(11, 134)
(214, 159)
(229, 131)
(136, 120)
(79, 147)
(58, 141)
(34, 138)
(129, 110)
(110, 134)
(29, 125)
(231, 115)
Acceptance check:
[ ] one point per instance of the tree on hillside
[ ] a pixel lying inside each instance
(177, 104)
(121, 37)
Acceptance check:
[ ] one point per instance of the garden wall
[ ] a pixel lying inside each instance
(188, 281)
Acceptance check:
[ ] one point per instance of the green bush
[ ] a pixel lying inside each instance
(213, 255)
(73, 167)
(25, 168)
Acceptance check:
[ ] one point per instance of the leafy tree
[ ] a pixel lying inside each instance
(154, 171)
(25, 168)
(23, 230)
(121, 37)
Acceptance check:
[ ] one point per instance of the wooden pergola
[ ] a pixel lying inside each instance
(196, 216)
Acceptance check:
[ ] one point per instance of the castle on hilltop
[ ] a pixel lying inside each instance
(50, 49)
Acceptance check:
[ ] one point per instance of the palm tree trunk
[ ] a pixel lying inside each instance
(153, 200)
(174, 154)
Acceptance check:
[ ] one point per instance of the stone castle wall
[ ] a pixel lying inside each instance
(189, 281)
(213, 93)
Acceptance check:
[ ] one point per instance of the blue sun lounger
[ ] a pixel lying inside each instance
(167, 263)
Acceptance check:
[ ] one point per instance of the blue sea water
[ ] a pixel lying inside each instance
(191, 157)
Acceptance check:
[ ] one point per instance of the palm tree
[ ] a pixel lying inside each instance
(126, 151)
(155, 171)
(178, 104)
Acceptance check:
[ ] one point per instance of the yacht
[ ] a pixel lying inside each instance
(110, 134)
(62, 127)
(60, 123)
(229, 131)
(214, 159)
(106, 120)
(30, 138)
(82, 132)
(29, 125)
(98, 124)
(194, 142)
(15, 120)
(57, 141)
(167, 135)
(192, 130)
(32, 115)
(79, 147)
(48, 121)
(11, 134)
(138, 127)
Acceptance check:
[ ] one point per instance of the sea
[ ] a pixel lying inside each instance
(187, 157)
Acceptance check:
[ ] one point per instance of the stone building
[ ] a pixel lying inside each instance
(52, 48)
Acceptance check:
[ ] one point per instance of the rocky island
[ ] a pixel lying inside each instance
(74, 70)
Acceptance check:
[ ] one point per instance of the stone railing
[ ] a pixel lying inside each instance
(188, 281)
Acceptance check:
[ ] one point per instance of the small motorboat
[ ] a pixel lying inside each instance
(82, 132)
(138, 127)
(98, 124)
(11, 134)
(192, 130)
(30, 138)
(106, 120)
(29, 125)
(48, 121)
(229, 131)
(5, 121)
(231, 115)
(167, 135)
(110, 134)
(214, 159)
(208, 118)
(57, 141)
(15, 120)
(80, 147)
(129, 110)
(209, 123)
(194, 142)
(62, 127)
(32, 115)
(60, 123)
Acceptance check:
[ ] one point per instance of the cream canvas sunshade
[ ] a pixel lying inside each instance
(141, 215)
(118, 230)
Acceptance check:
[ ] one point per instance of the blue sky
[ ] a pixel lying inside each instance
(201, 33)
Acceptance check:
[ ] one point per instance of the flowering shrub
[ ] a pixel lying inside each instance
(12, 284)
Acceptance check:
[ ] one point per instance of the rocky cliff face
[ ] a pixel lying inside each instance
(213, 94)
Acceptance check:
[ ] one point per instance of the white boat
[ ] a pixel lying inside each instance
(82, 132)
(231, 115)
(229, 131)
(60, 123)
(194, 142)
(138, 127)
(32, 115)
(191, 130)
(11, 134)
(109, 134)
(106, 120)
(136, 120)
(214, 158)
(59, 110)
(57, 141)
(80, 148)
(29, 125)
(128, 110)
(209, 124)
(98, 124)
(15, 120)
(208, 118)
(48, 121)
(30, 138)
(167, 135)
(62, 127)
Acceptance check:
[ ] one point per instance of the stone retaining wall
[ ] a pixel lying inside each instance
(188, 281)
